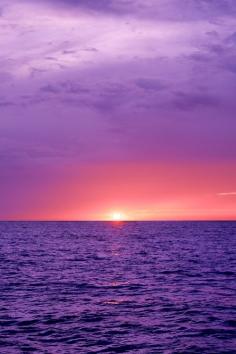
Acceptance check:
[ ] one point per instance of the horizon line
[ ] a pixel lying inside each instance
(119, 221)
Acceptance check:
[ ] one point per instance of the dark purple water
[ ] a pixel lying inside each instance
(161, 287)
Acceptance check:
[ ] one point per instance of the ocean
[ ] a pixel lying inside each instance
(103, 287)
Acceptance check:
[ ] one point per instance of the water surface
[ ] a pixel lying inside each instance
(89, 287)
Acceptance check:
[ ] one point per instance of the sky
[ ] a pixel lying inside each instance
(117, 106)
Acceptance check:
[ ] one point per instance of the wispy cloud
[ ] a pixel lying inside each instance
(226, 194)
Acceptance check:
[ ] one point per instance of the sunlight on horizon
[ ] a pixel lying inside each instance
(118, 216)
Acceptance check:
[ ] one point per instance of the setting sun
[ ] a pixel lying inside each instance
(117, 216)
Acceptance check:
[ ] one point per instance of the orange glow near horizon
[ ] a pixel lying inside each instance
(120, 192)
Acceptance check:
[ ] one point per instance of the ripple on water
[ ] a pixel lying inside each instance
(148, 287)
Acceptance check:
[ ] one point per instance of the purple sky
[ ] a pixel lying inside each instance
(87, 83)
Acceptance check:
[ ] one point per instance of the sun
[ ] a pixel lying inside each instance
(117, 216)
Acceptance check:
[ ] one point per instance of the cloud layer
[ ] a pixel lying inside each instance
(116, 81)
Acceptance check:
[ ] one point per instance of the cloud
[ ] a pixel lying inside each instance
(174, 10)
(150, 84)
(199, 57)
(6, 103)
(189, 101)
(110, 97)
(229, 63)
(102, 6)
(50, 89)
(231, 39)
(227, 194)
(65, 87)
